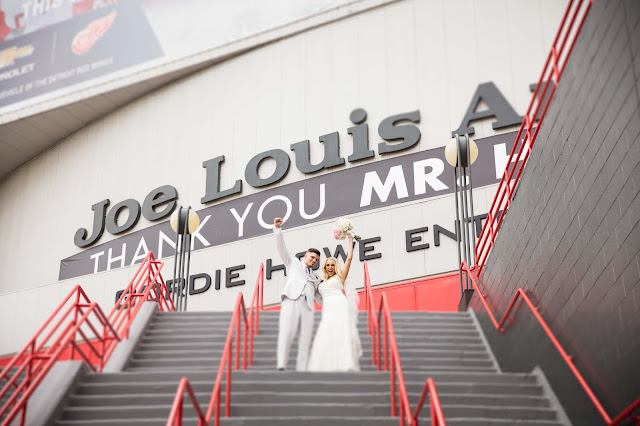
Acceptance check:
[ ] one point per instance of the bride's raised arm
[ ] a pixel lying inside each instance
(347, 262)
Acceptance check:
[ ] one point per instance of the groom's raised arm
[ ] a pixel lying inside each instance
(280, 245)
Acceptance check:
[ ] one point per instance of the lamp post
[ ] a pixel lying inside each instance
(461, 152)
(184, 222)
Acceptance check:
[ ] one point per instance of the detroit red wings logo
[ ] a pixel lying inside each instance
(85, 39)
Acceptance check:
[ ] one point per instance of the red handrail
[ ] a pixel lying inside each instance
(373, 327)
(392, 359)
(257, 304)
(146, 279)
(37, 358)
(175, 416)
(437, 418)
(391, 351)
(568, 359)
(227, 356)
(251, 329)
(36, 361)
(570, 26)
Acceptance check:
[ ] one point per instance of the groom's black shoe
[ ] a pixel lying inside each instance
(280, 369)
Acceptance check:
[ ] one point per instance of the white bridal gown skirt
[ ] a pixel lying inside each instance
(336, 346)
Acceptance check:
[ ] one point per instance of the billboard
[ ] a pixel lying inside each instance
(49, 46)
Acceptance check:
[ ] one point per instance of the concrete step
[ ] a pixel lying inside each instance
(223, 323)
(250, 421)
(308, 421)
(303, 386)
(276, 314)
(270, 322)
(288, 409)
(439, 358)
(249, 397)
(294, 376)
(291, 366)
(261, 342)
(237, 409)
(414, 330)
(269, 352)
(407, 362)
(401, 338)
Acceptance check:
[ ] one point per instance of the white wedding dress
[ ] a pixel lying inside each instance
(336, 346)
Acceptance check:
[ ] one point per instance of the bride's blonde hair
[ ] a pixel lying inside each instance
(337, 268)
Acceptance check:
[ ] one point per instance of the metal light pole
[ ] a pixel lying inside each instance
(184, 221)
(461, 152)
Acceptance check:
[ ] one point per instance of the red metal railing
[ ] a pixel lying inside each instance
(392, 360)
(257, 304)
(373, 327)
(568, 359)
(227, 357)
(572, 21)
(391, 351)
(437, 418)
(72, 327)
(36, 359)
(147, 284)
(251, 328)
(175, 415)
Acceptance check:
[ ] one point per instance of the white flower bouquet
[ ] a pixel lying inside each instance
(342, 228)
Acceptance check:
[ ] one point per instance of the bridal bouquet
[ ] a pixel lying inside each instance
(342, 228)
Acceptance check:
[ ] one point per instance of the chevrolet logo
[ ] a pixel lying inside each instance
(8, 56)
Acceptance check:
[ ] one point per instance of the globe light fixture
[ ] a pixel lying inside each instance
(184, 221)
(467, 146)
(461, 152)
(192, 218)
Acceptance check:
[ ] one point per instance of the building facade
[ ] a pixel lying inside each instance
(343, 111)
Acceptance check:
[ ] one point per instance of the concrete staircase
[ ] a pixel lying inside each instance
(445, 346)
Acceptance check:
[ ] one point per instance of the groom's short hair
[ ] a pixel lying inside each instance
(314, 250)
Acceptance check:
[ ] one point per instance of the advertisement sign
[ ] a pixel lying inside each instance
(48, 46)
(92, 45)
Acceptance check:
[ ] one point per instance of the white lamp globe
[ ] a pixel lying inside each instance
(451, 151)
(193, 220)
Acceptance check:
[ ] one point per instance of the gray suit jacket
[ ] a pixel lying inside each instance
(299, 282)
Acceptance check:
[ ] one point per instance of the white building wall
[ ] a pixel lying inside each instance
(410, 55)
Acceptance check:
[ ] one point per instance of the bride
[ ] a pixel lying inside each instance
(336, 346)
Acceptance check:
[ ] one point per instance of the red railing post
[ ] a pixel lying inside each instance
(239, 314)
(238, 340)
(227, 396)
(392, 377)
(244, 346)
(175, 415)
(386, 345)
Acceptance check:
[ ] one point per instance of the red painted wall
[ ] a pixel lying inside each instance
(436, 294)
(440, 294)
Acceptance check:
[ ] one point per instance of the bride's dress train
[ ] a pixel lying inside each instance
(336, 346)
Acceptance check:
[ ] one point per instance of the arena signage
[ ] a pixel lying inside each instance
(373, 185)
(398, 133)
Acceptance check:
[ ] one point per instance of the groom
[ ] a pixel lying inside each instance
(296, 307)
